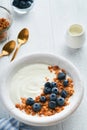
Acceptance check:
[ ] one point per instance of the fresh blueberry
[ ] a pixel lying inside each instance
(60, 101)
(47, 84)
(15, 3)
(53, 84)
(36, 107)
(43, 99)
(29, 101)
(22, 4)
(53, 97)
(55, 90)
(31, 1)
(28, 4)
(52, 104)
(65, 83)
(47, 90)
(63, 93)
(61, 76)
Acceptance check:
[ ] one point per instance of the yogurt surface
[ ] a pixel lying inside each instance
(29, 81)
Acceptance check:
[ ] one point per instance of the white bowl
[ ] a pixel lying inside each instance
(75, 100)
(21, 11)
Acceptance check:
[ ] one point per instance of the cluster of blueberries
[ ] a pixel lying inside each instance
(52, 89)
(22, 4)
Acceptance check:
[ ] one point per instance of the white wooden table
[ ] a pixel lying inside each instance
(48, 22)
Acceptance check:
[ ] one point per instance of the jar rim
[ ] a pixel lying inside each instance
(75, 27)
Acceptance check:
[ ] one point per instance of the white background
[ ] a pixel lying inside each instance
(48, 22)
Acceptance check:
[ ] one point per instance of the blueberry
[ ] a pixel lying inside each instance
(65, 83)
(36, 107)
(61, 76)
(53, 84)
(15, 3)
(63, 93)
(52, 104)
(29, 101)
(60, 101)
(31, 1)
(47, 84)
(28, 4)
(43, 99)
(47, 90)
(55, 90)
(22, 4)
(53, 97)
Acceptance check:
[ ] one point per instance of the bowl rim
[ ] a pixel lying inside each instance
(41, 121)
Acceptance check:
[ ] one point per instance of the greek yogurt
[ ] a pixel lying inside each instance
(29, 81)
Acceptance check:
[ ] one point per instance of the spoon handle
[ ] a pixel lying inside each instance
(1, 55)
(15, 53)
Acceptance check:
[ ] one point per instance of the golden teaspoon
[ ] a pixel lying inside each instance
(8, 48)
(21, 39)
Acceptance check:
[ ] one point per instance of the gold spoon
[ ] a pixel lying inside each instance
(22, 38)
(8, 48)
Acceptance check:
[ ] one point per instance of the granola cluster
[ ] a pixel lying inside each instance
(4, 24)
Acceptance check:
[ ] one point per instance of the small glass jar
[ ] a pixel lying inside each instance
(21, 7)
(5, 23)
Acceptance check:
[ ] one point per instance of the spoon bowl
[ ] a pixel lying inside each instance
(8, 48)
(21, 39)
(23, 36)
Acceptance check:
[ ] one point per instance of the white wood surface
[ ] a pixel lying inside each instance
(48, 22)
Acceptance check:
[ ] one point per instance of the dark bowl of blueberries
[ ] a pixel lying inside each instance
(22, 6)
